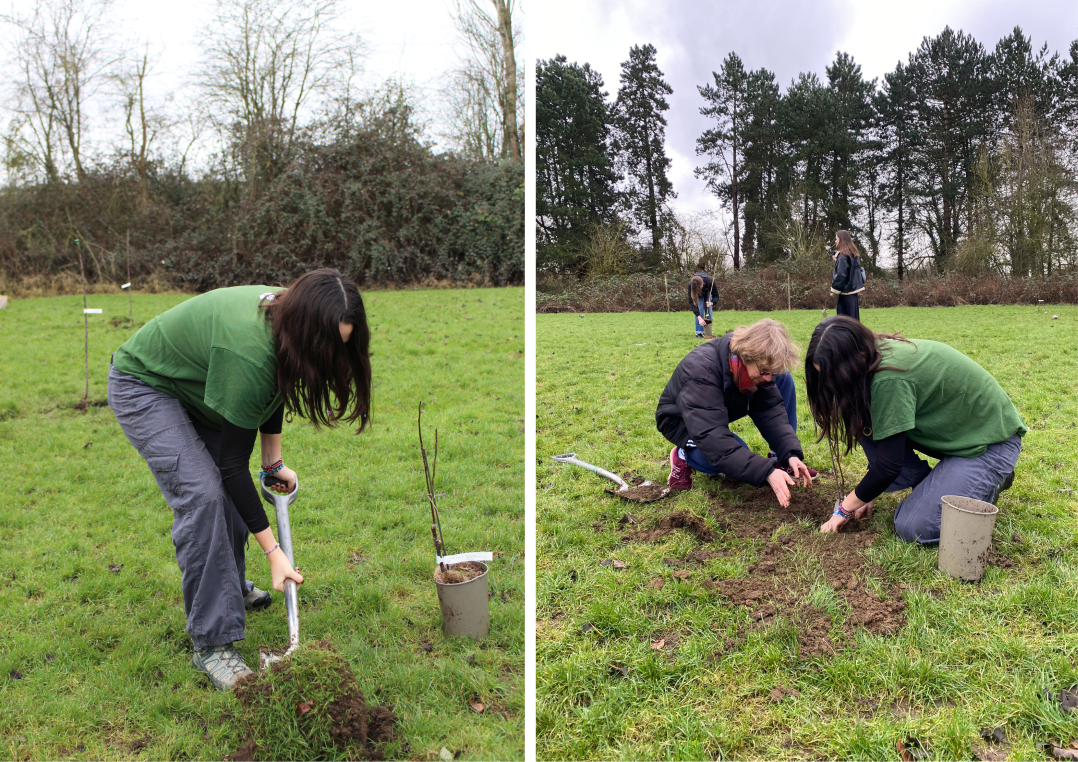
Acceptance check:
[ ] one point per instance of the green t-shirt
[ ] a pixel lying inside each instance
(942, 400)
(214, 353)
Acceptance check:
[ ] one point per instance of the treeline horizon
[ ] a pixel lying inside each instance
(303, 169)
(960, 159)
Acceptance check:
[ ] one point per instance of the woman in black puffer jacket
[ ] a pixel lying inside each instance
(849, 276)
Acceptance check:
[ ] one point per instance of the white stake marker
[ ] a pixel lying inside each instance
(91, 312)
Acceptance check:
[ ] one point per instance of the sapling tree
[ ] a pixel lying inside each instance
(429, 471)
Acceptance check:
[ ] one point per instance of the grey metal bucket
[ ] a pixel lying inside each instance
(965, 536)
(465, 607)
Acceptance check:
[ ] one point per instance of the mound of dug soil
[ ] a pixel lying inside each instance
(677, 520)
(309, 706)
(779, 582)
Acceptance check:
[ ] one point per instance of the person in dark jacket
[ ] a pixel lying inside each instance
(703, 296)
(849, 276)
(737, 375)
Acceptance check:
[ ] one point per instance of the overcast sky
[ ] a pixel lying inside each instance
(784, 36)
(414, 41)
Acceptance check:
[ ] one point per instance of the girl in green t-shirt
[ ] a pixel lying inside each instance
(900, 398)
(194, 387)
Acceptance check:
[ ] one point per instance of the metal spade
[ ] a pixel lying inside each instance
(280, 504)
(641, 493)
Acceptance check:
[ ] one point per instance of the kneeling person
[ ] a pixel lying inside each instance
(740, 374)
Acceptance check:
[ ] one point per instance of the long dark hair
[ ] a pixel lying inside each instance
(322, 378)
(696, 286)
(839, 393)
(846, 244)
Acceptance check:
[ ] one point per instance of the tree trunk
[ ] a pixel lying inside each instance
(509, 115)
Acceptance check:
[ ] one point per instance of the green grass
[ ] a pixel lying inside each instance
(969, 657)
(104, 660)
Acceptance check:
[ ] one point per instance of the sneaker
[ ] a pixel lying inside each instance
(680, 473)
(256, 600)
(1007, 483)
(222, 664)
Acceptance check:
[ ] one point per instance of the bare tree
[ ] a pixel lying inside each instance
(484, 110)
(265, 60)
(142, 123)
(62, 56)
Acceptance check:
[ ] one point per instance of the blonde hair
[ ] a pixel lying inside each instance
(846, 244)
(765, 344)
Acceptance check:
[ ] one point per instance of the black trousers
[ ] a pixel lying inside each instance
(848, 305)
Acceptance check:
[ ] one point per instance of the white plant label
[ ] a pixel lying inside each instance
(481, 555)
(91, 311)
(126, 285)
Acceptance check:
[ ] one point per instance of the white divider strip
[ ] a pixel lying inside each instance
(92, 312)
(481, 555)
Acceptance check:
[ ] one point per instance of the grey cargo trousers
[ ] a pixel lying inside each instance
(207, 530)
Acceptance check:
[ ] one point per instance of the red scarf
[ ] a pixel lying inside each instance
(745, 384)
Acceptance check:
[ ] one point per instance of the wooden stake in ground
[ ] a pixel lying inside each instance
(788, 308)
(430, 469)
(130, 309)
(667, 287)
(85, 322)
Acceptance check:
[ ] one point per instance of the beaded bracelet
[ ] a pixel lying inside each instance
(267, 552)
(271, 470)
(840, 512)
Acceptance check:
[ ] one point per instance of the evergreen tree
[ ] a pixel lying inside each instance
(761, 153)
(953, 83)
(727, 102)
(574, 177)
(640, 137)
(852, 104)
(807, 127)
(896, 124)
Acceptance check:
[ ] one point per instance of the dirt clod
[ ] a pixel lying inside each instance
(677, 520)
(316, 686)
(646, 494)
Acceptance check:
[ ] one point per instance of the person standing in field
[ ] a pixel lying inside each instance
(743, 373)
(194, 387)
(900, 398)
(848, 279)
(703, 296)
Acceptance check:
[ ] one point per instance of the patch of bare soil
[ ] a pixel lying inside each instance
(671, 523)
(462, 572)
(777, 588)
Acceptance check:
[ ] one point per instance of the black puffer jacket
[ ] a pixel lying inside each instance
(710, 292)
(849, 277)
(701, 400)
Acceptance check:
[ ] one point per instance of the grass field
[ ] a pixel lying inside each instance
(968, 657)
(94, 660)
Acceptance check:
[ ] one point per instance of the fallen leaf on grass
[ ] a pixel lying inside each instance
(628, 518)
(16, 675)
(87, 445)
(1068, 699)
(427, 647)
(618, 669)
(303, 707)
(445, 755)
(477, 706)
(1062, 752)
(658, 645)
(995, 735)
(115, 568)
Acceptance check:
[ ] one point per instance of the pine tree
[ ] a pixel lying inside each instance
(896, 127)
(640, 142)
(574, 177)
(727, 102)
